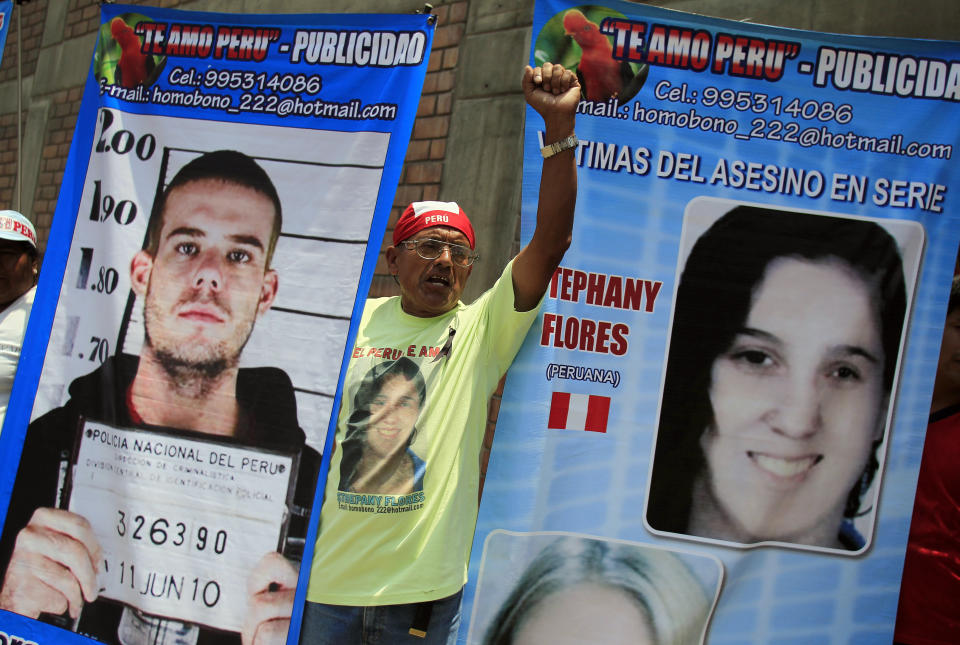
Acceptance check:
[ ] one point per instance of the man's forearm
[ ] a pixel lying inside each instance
(558, 191)
(554, 97)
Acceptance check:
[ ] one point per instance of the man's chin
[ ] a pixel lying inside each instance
(439, 300)
(192, 352)
(178, 365)
(191, 359)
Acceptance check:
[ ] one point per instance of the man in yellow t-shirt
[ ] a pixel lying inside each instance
(401, 498)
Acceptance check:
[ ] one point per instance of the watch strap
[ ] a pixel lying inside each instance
(559, 146)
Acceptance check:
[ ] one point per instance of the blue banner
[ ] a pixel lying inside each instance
(6, 11)
(164, 436)
(733, 368)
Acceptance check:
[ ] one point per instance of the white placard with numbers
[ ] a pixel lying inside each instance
(181, 521)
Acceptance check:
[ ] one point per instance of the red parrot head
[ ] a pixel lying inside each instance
(132, 68)
(598, 71)
(124, 34)
(586, 33)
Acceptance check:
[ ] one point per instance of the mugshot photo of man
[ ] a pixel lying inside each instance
(204, 277)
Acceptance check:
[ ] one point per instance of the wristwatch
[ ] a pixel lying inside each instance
(559, 146)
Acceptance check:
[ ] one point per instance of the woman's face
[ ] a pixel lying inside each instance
(798, 402)
(586, 613)
(393, 414)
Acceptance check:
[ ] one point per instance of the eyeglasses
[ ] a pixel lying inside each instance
(430, 249)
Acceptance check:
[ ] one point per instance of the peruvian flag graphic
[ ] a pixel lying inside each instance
(579, 412)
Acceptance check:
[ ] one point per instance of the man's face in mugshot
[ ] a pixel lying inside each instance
(209, 279)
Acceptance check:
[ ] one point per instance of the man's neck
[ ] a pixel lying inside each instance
(200, 402)
(418, 313)
(5, 305)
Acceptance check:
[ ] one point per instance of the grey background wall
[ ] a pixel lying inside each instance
(466, 144)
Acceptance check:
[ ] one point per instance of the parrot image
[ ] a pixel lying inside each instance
(600, 75)
(134, 67)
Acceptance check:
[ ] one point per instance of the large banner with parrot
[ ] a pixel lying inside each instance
(714, 431)
(163, 442)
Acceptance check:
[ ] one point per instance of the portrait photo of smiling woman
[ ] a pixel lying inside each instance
(376, 449)
(780, 376)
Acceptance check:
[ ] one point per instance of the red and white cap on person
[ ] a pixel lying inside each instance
(420, 215)
(17, 228)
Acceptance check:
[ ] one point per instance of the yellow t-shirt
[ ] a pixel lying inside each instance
(401, 496)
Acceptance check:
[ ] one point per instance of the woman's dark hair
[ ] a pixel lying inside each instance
(722, 273)
(355, 437)
(672, 599)
(954, 301)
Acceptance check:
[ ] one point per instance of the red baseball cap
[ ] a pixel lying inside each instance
(420, 215)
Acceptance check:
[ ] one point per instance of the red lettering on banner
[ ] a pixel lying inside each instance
(614, 297)
(565, 287)
(678, 47)
(244, 43)
(153, 36)
(628, 37)
(195, 41)
(604, 290)
(584, 334)
(595, 283)
(650, 291)
(752, 57)
(685, 48)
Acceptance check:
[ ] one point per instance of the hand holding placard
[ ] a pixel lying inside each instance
(54, 565)
(271, 586)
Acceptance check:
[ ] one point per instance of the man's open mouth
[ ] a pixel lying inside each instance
(784, 466)
(439, 279)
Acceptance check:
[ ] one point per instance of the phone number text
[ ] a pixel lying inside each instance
(755, 102)
(246, 80)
